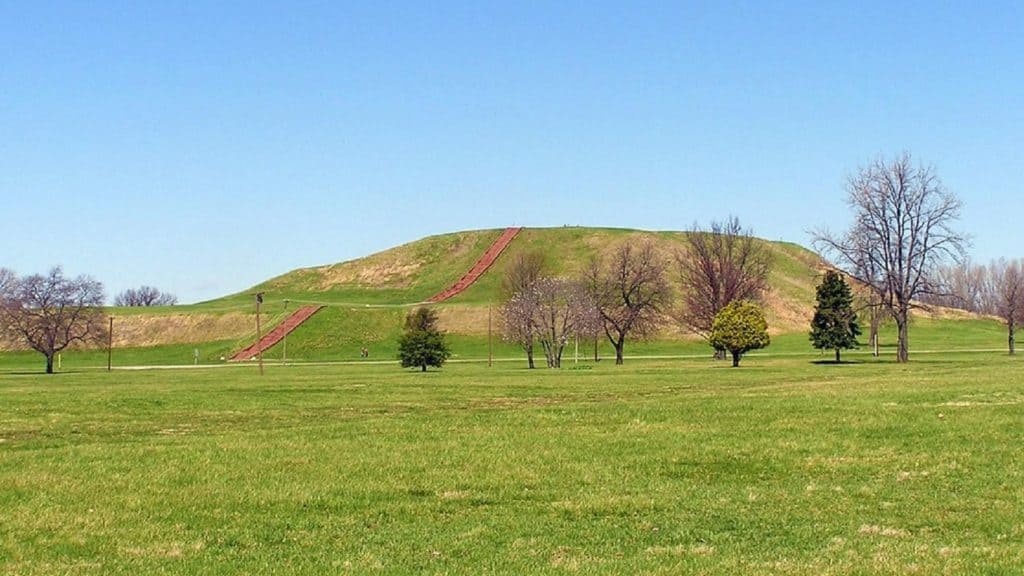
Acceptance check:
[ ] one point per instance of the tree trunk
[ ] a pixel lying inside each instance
(735, 359)
(876, 319)
(596, 358)
(548, 354)
(903, 347)
(529, 356)
(1010, 337)
(619, 346)
(837, 355)
(558, 357)
(423, 368)
(49, 363)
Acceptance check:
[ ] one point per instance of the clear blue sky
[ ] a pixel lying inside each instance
(205, 146)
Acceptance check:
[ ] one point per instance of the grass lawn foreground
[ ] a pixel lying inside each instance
(675, 466)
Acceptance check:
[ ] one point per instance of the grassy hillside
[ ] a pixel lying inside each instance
(415, 271)
(406, 274)
(366, 298)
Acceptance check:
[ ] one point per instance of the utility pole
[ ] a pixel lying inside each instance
(110, 343)
(259, 333)
(490, 352)
(284, 351)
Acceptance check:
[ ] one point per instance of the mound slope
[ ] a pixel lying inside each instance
(363, 297)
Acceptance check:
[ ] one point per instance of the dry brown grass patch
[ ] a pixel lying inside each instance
(387, 269)
(145, 330)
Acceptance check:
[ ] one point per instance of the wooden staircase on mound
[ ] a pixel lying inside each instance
(481, 266)
(276, 334)
(302, 314)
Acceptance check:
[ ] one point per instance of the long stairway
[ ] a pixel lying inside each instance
(481, 266)
(277, 334)
(302, 314)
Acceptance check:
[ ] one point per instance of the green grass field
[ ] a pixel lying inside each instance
(783, 466)
(336, 335)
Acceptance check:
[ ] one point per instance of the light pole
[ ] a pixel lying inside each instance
(284, 350)
(259, 333)
(110, 342)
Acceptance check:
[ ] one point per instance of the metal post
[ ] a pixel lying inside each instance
(110, 343)
(259, 333)
(284, 350)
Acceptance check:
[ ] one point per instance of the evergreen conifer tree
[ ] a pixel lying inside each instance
(834, 326)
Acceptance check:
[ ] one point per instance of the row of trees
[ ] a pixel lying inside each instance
(628, 294)
(905, 248)
(996, 289)
(51, 312)
(145, 296)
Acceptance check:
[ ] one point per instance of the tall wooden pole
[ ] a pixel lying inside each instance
(110, 343)
(284, 349)
(490, 351)
(259, 333)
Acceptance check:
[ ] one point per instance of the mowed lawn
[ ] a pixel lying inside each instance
(675, 467)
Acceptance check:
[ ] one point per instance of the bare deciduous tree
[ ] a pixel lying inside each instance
(869, 298)
(958, 286)
(718, 266)
(7, 283)
(629, 292)
(903, 228)
(522, 272)
(52, 312)
(1004, 295)
(145, 296)
(870, 302)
